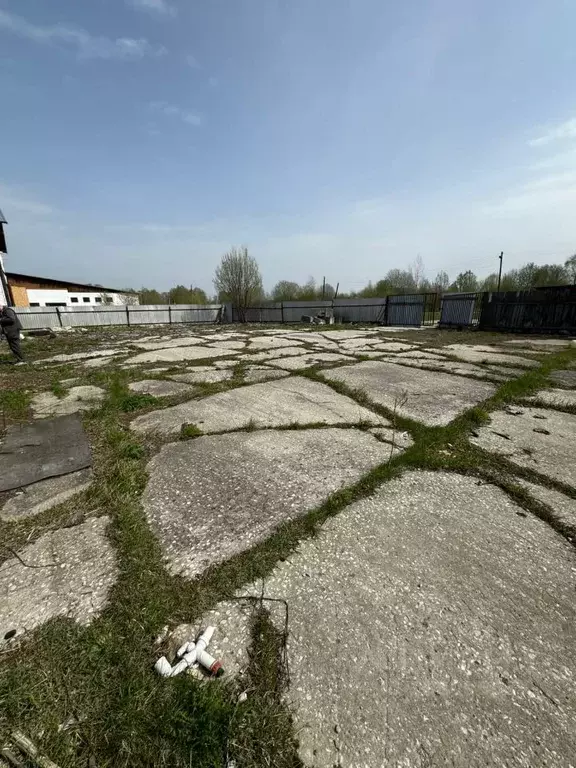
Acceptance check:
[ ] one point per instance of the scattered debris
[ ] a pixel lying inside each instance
(541, 431)
(191, 655)
(30, 750)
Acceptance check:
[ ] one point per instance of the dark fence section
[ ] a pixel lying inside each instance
(543, 310)
(460, 310)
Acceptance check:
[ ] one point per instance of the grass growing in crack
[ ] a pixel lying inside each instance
(250, 426)
(57, 388)
(14, 404)
(190, 431)
(262, 732)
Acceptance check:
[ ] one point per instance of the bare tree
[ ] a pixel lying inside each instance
(570, 265)
(238, 280)
(417, 270)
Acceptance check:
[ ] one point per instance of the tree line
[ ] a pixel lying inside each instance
(238, 280)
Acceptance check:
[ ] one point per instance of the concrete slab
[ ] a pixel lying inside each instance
(544, 344)
(428, 396)
(418, 354)
(230, 345)
(74, 356)
(472, 354)
(49, 448)
(170, 342)
(564, 378)
(80, 569)
(420, 635)
(453, 367)
(159, 388)
(348, 334)
(46, 404)
(177, 354)
(558, 397)
(204, 374)
(213, 497)
(272, 342)
(564, 507)
(256, 373)
(294, 400)
(97, 362)
(392, 346)
(310, 359)
(537, 438)
(41, 496)
(220, 364)
(274, 354)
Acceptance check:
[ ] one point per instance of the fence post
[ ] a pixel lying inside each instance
(59, 316)
(169, 314)
(127, 315)
(282, 312)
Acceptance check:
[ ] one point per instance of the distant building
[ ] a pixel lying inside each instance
(32, 291)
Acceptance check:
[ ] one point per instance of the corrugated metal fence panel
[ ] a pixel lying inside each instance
(195, 313)
(458, 309)
(295, 310)
(149, 314)
(359, 310)
(57, 317)
(405, 310)
(93, 316)
(270, 312)
(38, 317)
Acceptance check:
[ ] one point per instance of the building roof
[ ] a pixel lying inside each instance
(16, 276)
(2, 219)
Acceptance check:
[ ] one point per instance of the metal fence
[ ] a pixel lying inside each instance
(152, 314)
(543, 310)
(460, 310)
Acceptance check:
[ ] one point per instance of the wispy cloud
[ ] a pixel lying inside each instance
(86, 45)
(156, 6)
(566, 130)
(15, 200)
(192, 61)
(170, 110)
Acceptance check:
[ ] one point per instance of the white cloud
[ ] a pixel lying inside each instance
(86, 45)
(14, 200)
(170, 110)
(192, 61)
(156, 6)
(566, 130)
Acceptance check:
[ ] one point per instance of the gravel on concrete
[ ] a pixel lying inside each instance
(176, 354)
(429, 396)
(213, 497)
(294, 400)
(80, 570)
(159, 388)
(536, 438)
(429, 625)
(45, 494)
(46, 404)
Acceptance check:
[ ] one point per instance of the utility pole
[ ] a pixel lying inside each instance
(323, 288)
(501, 257)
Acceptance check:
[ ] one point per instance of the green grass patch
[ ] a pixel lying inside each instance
(189, 431)
(14, 404)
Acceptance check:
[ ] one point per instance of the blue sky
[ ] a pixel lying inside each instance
(142, 138)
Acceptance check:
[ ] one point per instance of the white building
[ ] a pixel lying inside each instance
(32, 291)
